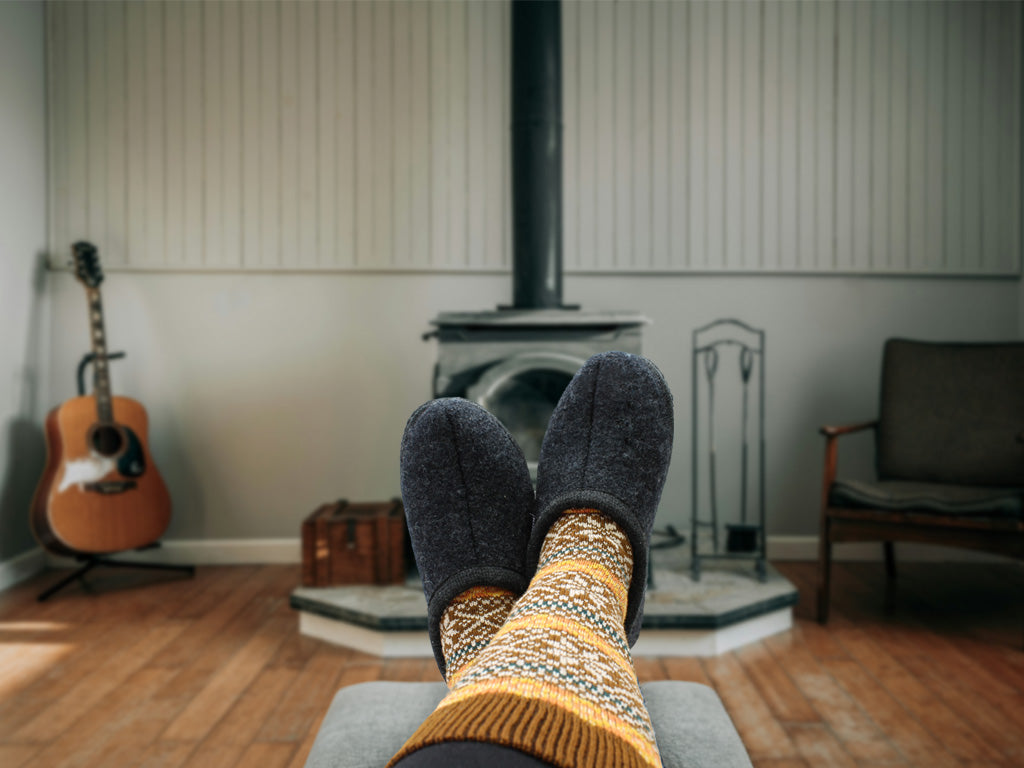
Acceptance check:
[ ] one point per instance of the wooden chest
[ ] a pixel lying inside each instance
(362, 543)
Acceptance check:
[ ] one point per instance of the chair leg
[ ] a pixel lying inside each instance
(890, 561)
(890, 576)
(824, 573)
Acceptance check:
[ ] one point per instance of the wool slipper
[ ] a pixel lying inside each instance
(468, 504)
(607, 447)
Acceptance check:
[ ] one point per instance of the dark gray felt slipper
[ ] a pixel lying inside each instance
(468, 503)
(608, 447)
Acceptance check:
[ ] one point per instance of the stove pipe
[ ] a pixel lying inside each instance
(536, 154)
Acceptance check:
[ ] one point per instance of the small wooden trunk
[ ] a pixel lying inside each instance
(361, 543)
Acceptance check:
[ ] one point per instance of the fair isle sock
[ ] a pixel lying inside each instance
(557, 680)
(468, 624)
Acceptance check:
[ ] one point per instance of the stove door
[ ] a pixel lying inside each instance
(522, 391)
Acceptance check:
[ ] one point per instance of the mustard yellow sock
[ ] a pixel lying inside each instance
(468, 624)
(557, 680)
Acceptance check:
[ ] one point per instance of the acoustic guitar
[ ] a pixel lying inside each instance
(100, 491)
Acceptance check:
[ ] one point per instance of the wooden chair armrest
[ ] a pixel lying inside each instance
(829, 431)
(832, 434)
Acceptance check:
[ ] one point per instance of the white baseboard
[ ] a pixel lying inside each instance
(289, 551)
(21, 567)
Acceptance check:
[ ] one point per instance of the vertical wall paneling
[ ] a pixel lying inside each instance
(571, 123)
(156, 128)
(116, 129)
(931, 254)
(327, 114)
(748, 228)
(898, 137)
(367, 139)
(476, 125)
(229, 160)
(580, 122)
(661, 152)
(418, 134)
(174, 133)
(56, 39)
(439, 135)
(345, 135)
(715, 137)
(622, 88)
(808, 133)
(858, 136)
(401, 104)
(96, 115)
(917, 135)
(678, 161)
(641, 108)
(843, 151)
(77, 133)
(202, 217)
(974, 81)
(698, 136)
(1010, 68)
(604, 119)
(269, 125)
(792, 158)
(771, 135)
(309, 169)
(825, 130)
(954, 122)
(734, 114)
(458, 114)
(881, 124)
(252, 176)
(212, 93)
(990, 189)
(383, 128)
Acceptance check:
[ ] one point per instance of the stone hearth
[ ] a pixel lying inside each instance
(726, 609)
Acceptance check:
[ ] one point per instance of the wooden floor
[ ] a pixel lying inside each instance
(212, 672)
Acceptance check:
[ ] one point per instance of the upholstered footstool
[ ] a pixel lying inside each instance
(368, 723)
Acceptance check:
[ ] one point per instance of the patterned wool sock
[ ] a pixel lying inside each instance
(557, 680)
(468, 624)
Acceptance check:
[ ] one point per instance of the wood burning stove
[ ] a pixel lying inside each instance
(516, 361)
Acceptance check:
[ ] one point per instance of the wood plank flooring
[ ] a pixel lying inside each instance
(212, 672)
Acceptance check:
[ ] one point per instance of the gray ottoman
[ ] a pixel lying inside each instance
(369, 722)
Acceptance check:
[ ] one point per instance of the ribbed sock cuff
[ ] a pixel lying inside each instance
(552, 733)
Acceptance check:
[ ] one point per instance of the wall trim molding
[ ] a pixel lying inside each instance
(289, 551)
(21, 567)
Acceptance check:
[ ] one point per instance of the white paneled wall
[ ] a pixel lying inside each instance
(795, 136)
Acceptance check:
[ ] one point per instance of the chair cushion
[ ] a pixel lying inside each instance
(928, 497)
(368, 723)
(952, 413)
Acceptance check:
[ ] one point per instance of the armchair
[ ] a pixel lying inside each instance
(949, 454)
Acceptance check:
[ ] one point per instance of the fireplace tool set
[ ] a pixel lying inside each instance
(744, 538)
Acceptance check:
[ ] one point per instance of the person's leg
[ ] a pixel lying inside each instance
(469, 506)
(469, 753)
(556, 681)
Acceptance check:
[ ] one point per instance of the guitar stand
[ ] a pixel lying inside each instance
(92, 561)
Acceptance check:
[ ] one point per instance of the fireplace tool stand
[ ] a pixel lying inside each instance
(92, 561)
(744, 540)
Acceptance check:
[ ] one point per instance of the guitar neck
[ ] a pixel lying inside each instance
(101, 367)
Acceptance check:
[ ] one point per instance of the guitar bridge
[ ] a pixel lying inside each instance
(111, 486)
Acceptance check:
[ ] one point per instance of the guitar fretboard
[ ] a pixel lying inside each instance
(101, 367)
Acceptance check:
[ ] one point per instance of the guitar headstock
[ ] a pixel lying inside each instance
(87, 264)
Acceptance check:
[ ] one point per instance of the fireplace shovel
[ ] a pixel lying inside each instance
(742, 537)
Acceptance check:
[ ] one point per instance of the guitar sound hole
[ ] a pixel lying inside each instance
(107, 441)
